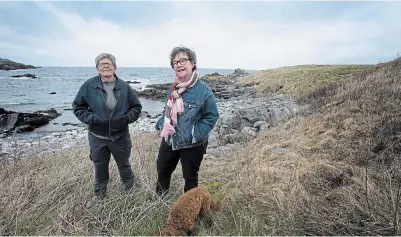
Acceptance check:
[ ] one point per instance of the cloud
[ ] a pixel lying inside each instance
(222, 37)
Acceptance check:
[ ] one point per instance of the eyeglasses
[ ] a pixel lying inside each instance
(102, 65)
(182, 61)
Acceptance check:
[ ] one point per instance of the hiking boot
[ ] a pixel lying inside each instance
(128, 186)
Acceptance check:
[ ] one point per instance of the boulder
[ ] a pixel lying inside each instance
(133, 82)
(249, 132)
(213, 141)
(51, 113)
(24, 128)
(233, 120)
(261, 125)
(25, 75)
(242, 123)
(255, 113)
(11, 121)
(157, 92)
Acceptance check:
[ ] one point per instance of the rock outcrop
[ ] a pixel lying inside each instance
(6, 64)
(223, 87)
(25, 75)
(15, 122)
(157, 92)
(242, 120)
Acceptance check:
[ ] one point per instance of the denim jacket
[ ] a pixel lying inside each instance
(89, 106)
(198, 119)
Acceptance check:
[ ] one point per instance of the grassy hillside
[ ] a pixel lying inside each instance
(299, 80)
(334, 171)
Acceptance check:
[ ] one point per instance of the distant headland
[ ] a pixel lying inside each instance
(6, 64)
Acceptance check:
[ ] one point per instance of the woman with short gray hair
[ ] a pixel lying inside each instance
(189, 116)
(107, 104)
(104, 56)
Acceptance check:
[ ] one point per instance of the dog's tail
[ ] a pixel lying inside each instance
(216, 205)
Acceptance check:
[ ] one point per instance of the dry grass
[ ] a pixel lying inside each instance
(48, 196)
(216, 77)
(335, 172)
(299, 80)
(332, 172)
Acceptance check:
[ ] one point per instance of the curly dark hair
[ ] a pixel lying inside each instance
(189, 52)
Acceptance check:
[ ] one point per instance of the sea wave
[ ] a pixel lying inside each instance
(14, 103)
(23, 78)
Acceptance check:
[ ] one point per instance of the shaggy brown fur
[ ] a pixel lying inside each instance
(184, 212)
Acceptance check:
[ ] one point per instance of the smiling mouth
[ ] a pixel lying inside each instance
(180, 69)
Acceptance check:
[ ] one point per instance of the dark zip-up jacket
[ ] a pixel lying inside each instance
(89, 106)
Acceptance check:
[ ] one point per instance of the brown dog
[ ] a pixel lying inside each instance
(184, 212)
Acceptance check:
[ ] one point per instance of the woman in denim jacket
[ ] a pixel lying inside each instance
(189, 116)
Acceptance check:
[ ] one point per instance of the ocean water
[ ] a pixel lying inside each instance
(33, 94)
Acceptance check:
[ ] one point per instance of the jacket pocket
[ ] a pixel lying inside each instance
(190, 109)
(185, 122)
(197, 134)
(119, 124)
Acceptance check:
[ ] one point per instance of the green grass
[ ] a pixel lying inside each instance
(300, 80)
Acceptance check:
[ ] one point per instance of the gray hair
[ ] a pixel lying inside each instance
(189, 52)
(105, 55)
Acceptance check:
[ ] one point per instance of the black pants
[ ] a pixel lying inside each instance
(167, 161)
(100, 151)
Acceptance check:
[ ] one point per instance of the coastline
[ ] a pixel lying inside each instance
(242, 116)
(220, 139)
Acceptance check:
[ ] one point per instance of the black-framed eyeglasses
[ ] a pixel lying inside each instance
(182, 61)
(102, 65)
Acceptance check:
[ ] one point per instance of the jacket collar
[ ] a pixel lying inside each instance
(97, 82)
(190, 90)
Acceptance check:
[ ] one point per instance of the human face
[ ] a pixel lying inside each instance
(106, 69)
(182, 67)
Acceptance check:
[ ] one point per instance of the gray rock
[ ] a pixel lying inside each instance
(7, 121)
(249, 132)
(278, 150)
(259, 123)
(264, 127)
(261, 126)
(232, 120)
(255, 113)
(224, 130)
(213, 140)
(25, 75)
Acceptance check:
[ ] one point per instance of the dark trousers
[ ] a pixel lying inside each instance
(100, 151)
(167, 161)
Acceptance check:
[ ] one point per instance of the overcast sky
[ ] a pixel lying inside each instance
(249, 35)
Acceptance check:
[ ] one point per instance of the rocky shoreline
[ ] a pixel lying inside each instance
(240, 121)
(223, 87)
(242, 117)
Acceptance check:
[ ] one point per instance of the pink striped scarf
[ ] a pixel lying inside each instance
(175, 105)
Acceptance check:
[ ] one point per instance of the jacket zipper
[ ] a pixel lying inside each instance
(114, 89)
(105, 102)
